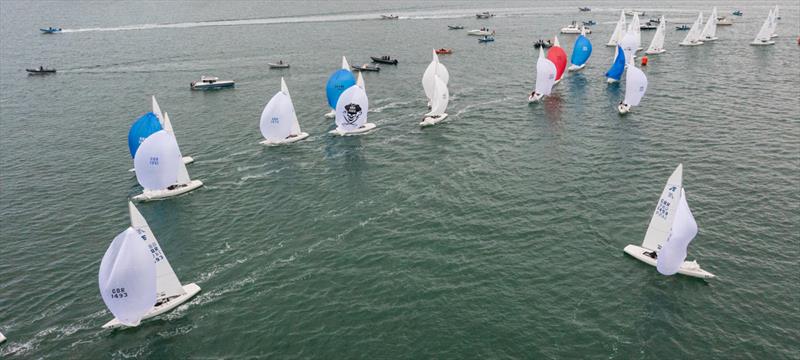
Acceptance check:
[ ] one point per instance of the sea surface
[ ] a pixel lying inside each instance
(495, 234)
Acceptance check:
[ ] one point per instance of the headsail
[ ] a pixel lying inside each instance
(684, 229)
(581, 51)
(157, 110)
(545, 74)
(352, 108)
(615, 72)
(143, 127)
(278, 119)
(619, 30)
(635, 85)
(127, 278)
(167, 283)
(661, 222)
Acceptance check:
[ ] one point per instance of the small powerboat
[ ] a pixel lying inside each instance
(724, 21)
(634, 12)
(40, 71)
(386, 59)
(389, 17)
(481, 32)
(486, 39)
(584, 9)
(543, 44)
(683, 27)
(654, 20)
(444, 51)
(51, 30)
(366, 67)
(278, 65)
(574, 28)
(589, 23)
(210, 82)
(648, 26)
(455, 27)
(737, 13)
(484, 15)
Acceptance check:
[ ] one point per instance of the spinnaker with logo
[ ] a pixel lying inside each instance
(351, 111)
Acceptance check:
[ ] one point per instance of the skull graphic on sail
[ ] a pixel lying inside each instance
(351, 113)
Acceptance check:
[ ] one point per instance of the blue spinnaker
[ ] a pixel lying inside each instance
(618, 67)
(581, 51)
(141, 129)
(339, 81)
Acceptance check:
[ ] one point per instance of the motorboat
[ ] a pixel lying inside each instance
(279, 65)
(444, 51)
(654, 20)
(724, 21)
(737, 13)
(683, 27)
(542, 44)
(484, 15)
(574, 28)
(481, 32)
(455, 27)
(366, 67)
(386, 59)
(649, 26)
(50, 30)
(40, 71)
(389, 17)
(486, 39)
(589, 23)
(584, 9)
(210, 82)
(634, 12)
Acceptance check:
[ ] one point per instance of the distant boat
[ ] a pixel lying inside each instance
(443, 51)
(484, 15)
(634, 12)
(557, 55)
(384, 59)
(455, 27)
(584, 9)
(278, 65)
(657, 44)
(764, 36)
(366, 67)
(486, 39)
(619, 31)
(338, 82)
(352, 111)
(480, 32)
(589, 23)
(669, 233)
(40, 71)
(617, 67)
(435, 68)
(210, 83)
(574, 28)
(709, 32)
(581, 52)
(545, 78)
(439, 101)
(389, 17)
(737, 13)
(543, 44)
(50, 30)
(278, 122)
(724, 21)
(160, 169)
(649, 26)
(635, 87)
(693, 37)
(136, 280)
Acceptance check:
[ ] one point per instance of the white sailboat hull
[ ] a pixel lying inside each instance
(688, 268)
(691, 43)
(290, 140)
(163, 194)
(362, 130)
(186, 161)
(191, 290)
(574, 67)
(770, 42)
(623, 109)
(611, 81)
(535, 98)
(710, 38)
(655, 52)
(428, 121)
(331, 114)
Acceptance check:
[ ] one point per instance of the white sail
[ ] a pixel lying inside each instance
(776, 14)
(441, 97)
(360, 81)
(774, 22)
(157, 161)
(127, 278)
(661, 222)
(629, 46)
(157, 110)
(345, 64)
(278, 119)
(765, 33)
(433, 69)
(635, 85)
(167, 283)
(658, 39)
(710, 30)
(352, 109)
(684, 229)
(636, 30)
(183, 173)
(545, 74)
(693, 36)
(619, 30)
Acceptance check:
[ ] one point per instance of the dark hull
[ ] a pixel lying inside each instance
(40, 72)
(383, 61)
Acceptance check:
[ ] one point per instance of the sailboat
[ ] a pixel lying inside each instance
(339, 81)
(136, 280)
(144, 126)
(435, 68)
(657, 45)
(764, 36)
(617, 68)
(351, 111)
(545, 78)
(635, 87)
(619, 30)
(159, 168)
(693, 36)
(441, 97)
(580, 52)
(710, 30)
(671, 229)
(635, 28)
(279, 121)
(557, 55)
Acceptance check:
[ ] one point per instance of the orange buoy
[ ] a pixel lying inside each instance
(644, 60)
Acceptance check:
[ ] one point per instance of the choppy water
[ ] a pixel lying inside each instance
(496, 234)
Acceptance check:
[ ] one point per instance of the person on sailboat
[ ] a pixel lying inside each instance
(535, 94)
(651, 254)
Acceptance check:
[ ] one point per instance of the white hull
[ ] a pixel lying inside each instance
(574, 67)
(362, 130)
(331, 114)
(535, 98)
(479, 33)
(163, 194)
(215, 85)
(191, 290)
(428, 121)
(695, 43)
(688, 268)
(770, 42)
(710, 39)
(655, 52)
(611, 81)
(290, 140)
(623, 109)
(186, 161)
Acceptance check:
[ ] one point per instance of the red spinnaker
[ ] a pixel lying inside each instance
(557, 55)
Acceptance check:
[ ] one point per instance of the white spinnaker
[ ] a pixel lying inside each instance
(127, 278)
(167, 283)
(664, 214)
(351, 109)
(765, 33)
(157, 161)
(629, 46)
(278, 119)
(619, 30)
(545, 74)
(658, 38)
(684, 229)
(157, 110)
(710, 30)
(433, 69)
(635, 85)
(441, 97)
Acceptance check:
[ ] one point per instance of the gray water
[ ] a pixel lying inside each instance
(496, 234)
